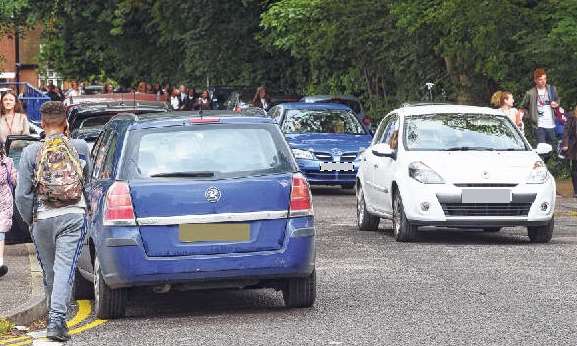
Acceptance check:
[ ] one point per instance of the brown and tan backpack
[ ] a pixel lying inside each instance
(58, 176)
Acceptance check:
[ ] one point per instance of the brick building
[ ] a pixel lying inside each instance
(29, 44)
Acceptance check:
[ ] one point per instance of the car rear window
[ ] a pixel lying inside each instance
(219, 150)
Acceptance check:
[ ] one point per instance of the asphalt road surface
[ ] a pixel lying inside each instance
(449, 288)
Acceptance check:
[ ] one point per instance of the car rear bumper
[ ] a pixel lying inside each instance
(124, 262)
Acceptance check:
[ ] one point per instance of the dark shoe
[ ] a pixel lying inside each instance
(57, 331)
(3, 270)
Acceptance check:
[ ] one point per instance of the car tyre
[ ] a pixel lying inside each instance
(365, 220)
(83, 289)
(541, 234)
(492, 229)
(108, 303)
(300, 292)
(403, 231)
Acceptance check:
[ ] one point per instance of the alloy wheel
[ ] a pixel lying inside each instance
(360, 207)
(96, 284)
(396, 215)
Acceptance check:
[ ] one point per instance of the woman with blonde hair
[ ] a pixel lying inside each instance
(504, 101)
(13, 121)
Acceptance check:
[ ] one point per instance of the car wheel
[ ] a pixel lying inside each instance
(492, 229)
(365, 220)
(541, 234)
(108, 303)
(83, 288)
(300, 292)
(403, 231)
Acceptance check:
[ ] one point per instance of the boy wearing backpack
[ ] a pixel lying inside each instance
(50, 196)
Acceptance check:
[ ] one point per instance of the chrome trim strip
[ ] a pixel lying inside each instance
(127, 222)
(212, 218)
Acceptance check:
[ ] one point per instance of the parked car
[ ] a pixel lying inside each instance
(454, 166)
(86, 120)
(326, 139)
(189, 201)
(19, 232)
(349, 101)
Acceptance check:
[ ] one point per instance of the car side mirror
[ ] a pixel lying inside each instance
(543, 149)
(384, 150)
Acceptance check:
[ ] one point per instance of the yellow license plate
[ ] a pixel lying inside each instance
(214, 232)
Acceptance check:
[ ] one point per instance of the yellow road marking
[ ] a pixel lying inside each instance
(27, 342)
(87, 326)
(6, 342)
(84, 311)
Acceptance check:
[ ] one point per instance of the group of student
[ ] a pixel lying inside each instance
(552, 124)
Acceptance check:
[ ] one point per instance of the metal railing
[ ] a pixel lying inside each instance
(31, 98)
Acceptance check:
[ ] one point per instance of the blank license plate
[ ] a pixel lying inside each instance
(337, 166)
(214, 232)
(486, 196)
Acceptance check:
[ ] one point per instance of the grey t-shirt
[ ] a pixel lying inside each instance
(25, 187)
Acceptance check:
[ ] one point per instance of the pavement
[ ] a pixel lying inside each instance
(22, 298)
(15, 289)
(448, 287)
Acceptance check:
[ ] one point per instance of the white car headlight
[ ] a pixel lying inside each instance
(539, 174)
(424, 174)
(303, 154)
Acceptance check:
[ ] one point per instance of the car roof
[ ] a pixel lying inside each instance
(421, 109)
(315, 106)
(318, 98)
(175, 118)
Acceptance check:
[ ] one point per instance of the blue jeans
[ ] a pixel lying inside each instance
(544, 135)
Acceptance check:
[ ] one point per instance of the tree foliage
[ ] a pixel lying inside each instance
(381, 50)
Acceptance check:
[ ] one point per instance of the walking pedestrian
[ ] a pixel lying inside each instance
(539, 103)
(175, 99)
(203, 102)
(74, 90)
(13, 121)
(569, 146)
(50, 197)
(52, 93)
(261, 98)
(7, 182)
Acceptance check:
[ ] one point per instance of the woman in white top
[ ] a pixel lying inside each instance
(12, 119)
(504, 100)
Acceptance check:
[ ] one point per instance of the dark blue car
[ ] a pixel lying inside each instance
(326, 140)
(190, 201)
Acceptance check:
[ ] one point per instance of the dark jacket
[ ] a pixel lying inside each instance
(529, 102)
(570, 137)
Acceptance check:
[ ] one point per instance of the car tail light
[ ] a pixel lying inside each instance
(301, 203)
(118, 209)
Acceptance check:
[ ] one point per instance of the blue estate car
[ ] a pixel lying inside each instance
(190, 201)
(326, 140)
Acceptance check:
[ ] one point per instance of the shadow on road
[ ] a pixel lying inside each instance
(209, 303)
(468, 237)
(331, 190)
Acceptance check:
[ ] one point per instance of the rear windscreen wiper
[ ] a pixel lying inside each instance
(197, 174)
(469, 149)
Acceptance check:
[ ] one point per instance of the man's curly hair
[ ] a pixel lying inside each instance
(53, 108)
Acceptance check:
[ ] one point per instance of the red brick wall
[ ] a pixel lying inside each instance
(29, 49)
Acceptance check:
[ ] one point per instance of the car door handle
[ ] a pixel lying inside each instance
(376, 165)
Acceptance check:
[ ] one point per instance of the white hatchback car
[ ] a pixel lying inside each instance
(454, 166)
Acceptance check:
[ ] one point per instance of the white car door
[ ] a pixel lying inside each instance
(369, 161)
(385, 169)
